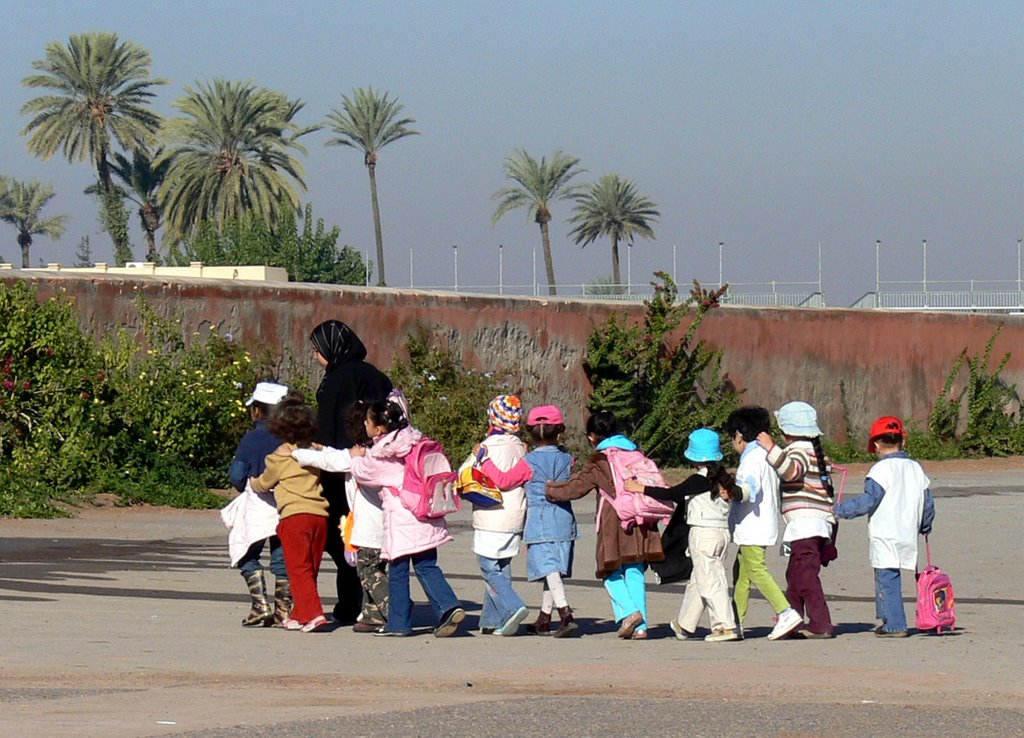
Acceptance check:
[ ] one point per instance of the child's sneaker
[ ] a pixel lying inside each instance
(511, 626)
(789, 620)
(291, 624)
(681, 635)
(722, 634)
(449, 622)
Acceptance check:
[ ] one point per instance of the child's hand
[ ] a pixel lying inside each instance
(765, 441)
(634, 486)
(357, 451)
(476, 449)
(317, 446)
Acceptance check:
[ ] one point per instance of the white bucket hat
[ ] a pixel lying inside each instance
(798, 419)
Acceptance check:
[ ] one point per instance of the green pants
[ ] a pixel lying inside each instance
(751, 569)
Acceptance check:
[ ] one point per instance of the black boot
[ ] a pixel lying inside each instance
(568, 625)
(282, 601)
(260, 613)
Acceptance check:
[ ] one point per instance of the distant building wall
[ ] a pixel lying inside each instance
(888, 363)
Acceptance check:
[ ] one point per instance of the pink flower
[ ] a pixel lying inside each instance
(26, 385)
(8, 384)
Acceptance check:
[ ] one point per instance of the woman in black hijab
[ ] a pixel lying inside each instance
(348, 378)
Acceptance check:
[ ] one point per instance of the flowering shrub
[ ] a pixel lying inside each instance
(147, 417)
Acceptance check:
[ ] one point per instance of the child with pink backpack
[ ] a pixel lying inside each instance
(623, 548)
(409, 542)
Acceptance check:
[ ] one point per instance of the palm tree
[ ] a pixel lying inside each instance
(230, 156)
(540, 183)
(367, 122)
(612, 207)
(142, 177)
(20, 205)
(100, 91)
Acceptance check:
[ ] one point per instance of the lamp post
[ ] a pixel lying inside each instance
(1018, 268)
(720, 245)
(410, 268)
(629, 268)
(924, 268)
(455, 248)
(878, 246)
(501, 269)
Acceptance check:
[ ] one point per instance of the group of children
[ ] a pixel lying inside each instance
(385, 539)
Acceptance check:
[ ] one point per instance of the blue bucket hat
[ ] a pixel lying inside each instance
(798, 419)
(703, 445)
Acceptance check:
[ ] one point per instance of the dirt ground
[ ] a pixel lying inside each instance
(125, 622)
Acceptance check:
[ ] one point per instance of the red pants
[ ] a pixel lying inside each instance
(303, 538)
(804, 592)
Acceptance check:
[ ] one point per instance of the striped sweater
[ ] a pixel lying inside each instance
(801, 489)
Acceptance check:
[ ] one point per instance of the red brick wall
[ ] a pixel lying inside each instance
(889, 363)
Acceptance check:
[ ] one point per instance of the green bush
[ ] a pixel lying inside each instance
(448, 401)
(660, 388)
(148, 417)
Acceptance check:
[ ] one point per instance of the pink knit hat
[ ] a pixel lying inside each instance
(505, 413)
(549, 414)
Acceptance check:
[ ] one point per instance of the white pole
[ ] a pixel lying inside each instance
(366, 263)
(455, 248)
(501, 269)
(878, 244)
(819, 272)
(629, 268)
(1018, 267)
(924, 268)
(674, 262)
(720, 245)
(534, 269)
(410, 269)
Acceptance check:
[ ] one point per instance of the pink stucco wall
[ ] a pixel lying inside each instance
(888, 363)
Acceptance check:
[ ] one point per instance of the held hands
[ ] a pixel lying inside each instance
(634, 486)
(765, 441)
(357, 451)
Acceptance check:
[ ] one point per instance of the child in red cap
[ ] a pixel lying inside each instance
(899, 506)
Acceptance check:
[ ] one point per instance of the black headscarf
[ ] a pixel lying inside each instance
(337, 343)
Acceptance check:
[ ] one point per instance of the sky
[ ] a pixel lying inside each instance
(777, 129)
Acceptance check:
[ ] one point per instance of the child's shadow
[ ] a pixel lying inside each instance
(851, 628)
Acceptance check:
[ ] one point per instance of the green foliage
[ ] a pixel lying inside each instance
(152, 417)
(21, 204)
(660, 388)
(984, 406)
(309, 255)
(448, 401)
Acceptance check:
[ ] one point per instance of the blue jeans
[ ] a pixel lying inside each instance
(250, 563)
(435, 586)
(889, 600)
(628, 591)
(500, 601)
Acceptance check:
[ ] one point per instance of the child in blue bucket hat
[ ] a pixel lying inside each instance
(702, 512)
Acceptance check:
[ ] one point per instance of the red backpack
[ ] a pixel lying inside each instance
(428, 489)
(634, 509)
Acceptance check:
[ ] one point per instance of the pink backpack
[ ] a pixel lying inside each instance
(428, 490)
(634, 509)
(936, 604)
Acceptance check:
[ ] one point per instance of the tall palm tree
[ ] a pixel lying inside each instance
(612, 207)
(539, 184)
(230, 155)
(100, 91)
(368, 121)
(20, 205)
(142, 176)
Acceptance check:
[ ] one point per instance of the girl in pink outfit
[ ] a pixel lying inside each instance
(408, 541)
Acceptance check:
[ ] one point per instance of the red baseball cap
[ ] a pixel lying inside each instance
(884, 426)
(549, 414)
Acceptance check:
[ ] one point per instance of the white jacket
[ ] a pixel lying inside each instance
(249, 518)
(895, 524)
(364, 502)
(755, 520)
(504, 451)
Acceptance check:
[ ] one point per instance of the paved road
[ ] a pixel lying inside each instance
(124, 622)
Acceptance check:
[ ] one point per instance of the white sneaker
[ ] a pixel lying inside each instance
(721, 634)
(789, 620)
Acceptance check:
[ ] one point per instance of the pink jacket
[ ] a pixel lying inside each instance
(384, 466)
